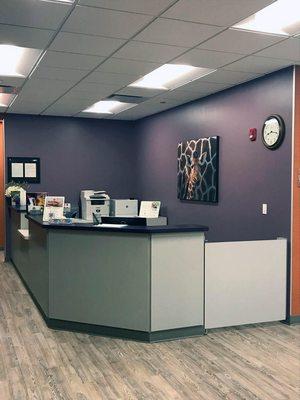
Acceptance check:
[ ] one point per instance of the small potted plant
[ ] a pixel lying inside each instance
(16, 193)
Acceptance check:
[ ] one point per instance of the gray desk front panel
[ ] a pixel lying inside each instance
(177, 280)
(31, 258)
(100, 278)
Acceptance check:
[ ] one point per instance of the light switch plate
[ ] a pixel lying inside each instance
(265, 209)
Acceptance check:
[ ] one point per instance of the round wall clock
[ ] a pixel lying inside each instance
(273, 132)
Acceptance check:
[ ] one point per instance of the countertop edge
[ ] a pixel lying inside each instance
(127, 229)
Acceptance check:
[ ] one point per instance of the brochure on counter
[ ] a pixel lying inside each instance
(54, 208)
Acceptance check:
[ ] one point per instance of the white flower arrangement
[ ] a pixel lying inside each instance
(13, 187)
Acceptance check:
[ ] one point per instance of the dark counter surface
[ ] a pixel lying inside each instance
(129, 228)
(20, 209)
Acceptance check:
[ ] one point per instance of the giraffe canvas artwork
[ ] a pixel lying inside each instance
(198, 169)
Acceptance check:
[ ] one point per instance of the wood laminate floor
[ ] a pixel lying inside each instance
(251, 362)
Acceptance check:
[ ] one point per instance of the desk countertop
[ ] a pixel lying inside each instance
(128, 228)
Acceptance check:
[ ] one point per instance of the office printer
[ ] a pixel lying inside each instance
(94, 202)
(123, 207)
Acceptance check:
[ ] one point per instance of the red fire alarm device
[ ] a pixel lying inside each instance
(252, 134)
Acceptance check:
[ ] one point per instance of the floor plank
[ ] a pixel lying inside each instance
(255, 362)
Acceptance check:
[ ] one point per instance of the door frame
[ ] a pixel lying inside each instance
(2, 184)
(295, 206)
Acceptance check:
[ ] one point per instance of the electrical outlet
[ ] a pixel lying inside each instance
(265, 209)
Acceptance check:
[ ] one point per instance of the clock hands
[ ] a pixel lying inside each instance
(269, 133)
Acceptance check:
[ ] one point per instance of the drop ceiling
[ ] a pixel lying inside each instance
(95, 48)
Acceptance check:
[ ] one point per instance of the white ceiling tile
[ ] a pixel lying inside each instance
(85, 44)
(179, 102)
(126, 118)
(123, 66)
(11, 81)
(142, 51)
(228, 77)
(43, 90)
(215, 12)
(200, 86)
(207, 58)
(38, 14)
(242, 42)
(25, 37)
(182, 95)
(75, 96)
(94, 116)
(110, 78)
(138, 112)
(68, 106)
(177, 33)
(59, 74)
(149, 107)
(289, 49)
(96, 21)
(70, 60)
(259, 65)
(153, 7)
(59, 112)
(28, 107)
(99, 90)
(133, 91)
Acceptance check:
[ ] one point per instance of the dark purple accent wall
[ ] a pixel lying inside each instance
(139, 158)
(76, 153)
(249, 174)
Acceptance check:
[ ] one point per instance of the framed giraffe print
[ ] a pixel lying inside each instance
(198, 169)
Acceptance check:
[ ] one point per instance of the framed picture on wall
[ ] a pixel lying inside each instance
(198, 169)
(23, 169)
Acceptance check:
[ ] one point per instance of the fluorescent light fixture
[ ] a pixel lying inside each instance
(171, 76)
(17, 61)
(6, 99)
(281, 18)
(109, 107)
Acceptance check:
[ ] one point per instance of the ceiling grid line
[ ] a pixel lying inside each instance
(115, 51)
(44, 51)
(94, 49)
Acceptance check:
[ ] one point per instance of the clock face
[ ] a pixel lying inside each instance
(273, 132)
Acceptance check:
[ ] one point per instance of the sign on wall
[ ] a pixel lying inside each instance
(198, 169)
(23, 169)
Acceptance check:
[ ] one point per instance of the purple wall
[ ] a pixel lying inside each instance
(75, 153)
(139, 159)
(249, 173)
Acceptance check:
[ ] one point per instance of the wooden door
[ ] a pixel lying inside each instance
(295, 275)
(2, 199)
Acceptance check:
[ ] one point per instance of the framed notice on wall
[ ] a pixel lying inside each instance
(23, 169)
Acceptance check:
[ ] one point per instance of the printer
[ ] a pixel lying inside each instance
(123, 207)
(94, 203)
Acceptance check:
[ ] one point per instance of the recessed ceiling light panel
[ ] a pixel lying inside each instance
(6, 99)
(280, 18)
(109, 107)
(171, 76)
(17, 61)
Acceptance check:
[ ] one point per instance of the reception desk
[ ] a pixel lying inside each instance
(143, 283)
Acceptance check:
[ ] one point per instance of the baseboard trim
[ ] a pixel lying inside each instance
(292, 319)
(102, 330)
(179, 333)
(121, 333)
(140, 336)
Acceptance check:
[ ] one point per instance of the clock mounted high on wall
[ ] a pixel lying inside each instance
(273, 132)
